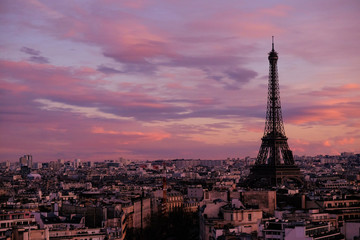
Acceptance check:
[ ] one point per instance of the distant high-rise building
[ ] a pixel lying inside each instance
(77, 163)
(22, 161)
(26, 160)
(275, 162)
(37, 165)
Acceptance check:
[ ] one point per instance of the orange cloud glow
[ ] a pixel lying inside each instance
(351, 86)
(346, 141)
(153, 136)
(320, 115)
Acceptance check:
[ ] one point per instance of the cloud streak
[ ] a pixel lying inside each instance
(90, 112)
(34, 55)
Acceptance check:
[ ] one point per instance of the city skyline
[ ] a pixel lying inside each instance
(166, 79)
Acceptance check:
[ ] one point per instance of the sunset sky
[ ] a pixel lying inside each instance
(165, 79)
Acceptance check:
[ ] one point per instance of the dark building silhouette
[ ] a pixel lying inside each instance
(275, 162)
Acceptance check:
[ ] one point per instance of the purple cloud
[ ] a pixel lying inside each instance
(240, 75)
(108, 70)
(30, 51)
(39, 59)
(34, 55)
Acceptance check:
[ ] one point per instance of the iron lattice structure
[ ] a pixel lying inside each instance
(274, 149)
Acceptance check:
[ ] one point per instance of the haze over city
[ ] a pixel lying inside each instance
(175, 79)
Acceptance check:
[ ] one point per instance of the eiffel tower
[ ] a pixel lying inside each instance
(275, 164)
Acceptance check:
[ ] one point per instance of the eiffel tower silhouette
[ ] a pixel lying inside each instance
(274, 164)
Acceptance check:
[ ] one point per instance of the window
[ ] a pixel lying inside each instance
(249, 217)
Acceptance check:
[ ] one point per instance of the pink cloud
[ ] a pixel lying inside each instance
(257, 127)
(332, 116)
(328, 106)
(253, 24)
(136, 3)
(352, 86)
(45, 74)
(152, 136)
(343, 90)
(346, 141)
(46, 9)
(327, 143)
(13, 87)
(276, 11)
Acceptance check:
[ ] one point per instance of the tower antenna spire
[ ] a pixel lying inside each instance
(273, 43)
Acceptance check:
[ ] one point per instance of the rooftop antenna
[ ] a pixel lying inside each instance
(272, 43)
